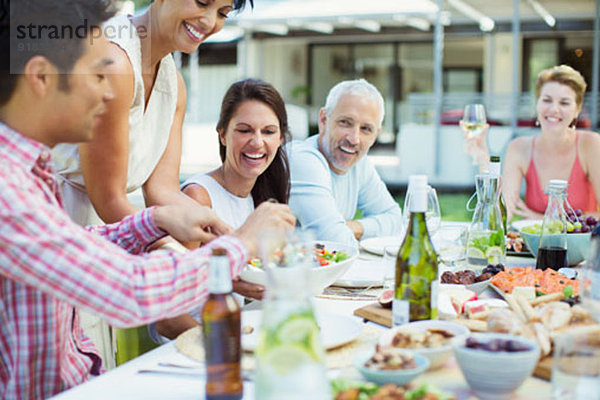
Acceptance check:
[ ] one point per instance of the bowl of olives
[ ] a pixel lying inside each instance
(495, 365)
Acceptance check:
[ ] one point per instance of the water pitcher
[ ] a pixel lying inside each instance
(290, 357)
(486, 233)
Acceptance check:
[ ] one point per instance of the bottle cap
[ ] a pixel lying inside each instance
(415, 181)
(219, 278)
(557, 184)
(218, 251)
(495, 167)
(418, 193)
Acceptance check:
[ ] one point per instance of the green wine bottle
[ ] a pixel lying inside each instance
(415, 295)
(496, 169)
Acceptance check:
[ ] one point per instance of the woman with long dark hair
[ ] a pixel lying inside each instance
(252, 131)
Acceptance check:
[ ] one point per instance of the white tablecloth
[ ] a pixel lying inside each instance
(125, 382)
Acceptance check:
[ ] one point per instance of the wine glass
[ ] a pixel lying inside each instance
(389, 266)
(433, 216)
(473, 120)
(450, 242)
(576, 366)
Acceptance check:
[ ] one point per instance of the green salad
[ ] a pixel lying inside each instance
(346, 389)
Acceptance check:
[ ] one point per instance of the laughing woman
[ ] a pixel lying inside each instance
(137, 142)
(252, 129)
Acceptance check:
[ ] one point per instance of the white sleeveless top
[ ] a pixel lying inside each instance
(232, 209)
(148, 130)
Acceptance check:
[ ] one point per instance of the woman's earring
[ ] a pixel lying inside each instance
(537, 122)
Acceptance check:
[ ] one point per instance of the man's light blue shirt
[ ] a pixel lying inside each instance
(323, 201)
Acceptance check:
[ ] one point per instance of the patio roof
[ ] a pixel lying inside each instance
(282, 17)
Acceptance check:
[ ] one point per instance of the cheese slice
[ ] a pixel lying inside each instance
(527, 292)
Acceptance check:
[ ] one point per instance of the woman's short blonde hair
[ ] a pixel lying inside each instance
(565, 75)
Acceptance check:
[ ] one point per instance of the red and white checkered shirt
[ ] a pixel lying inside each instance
(49, 265)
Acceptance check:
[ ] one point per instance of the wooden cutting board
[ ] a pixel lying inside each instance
(383, 316)
(374, 312)
(544, 368)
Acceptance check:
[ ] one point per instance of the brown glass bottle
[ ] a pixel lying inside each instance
(221, 332)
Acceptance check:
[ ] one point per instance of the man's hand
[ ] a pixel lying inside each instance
(356, 228)
(266, 217)
(248, 289)
(190, 224)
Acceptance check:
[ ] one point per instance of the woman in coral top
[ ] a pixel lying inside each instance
(558, 152)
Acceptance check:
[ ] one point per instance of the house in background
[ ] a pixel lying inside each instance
(303, 47)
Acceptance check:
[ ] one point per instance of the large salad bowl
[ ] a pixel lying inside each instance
(321, 276)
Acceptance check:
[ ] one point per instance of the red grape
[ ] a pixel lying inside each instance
(591, 220)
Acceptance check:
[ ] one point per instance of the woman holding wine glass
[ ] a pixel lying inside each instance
(559, 151)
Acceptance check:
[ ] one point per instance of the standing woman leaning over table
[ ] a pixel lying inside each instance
(140, 140)
(558, 152)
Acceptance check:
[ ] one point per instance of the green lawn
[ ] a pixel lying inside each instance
(452, 206)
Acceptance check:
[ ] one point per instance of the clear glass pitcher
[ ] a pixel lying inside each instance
(486, 242)
(290, 357)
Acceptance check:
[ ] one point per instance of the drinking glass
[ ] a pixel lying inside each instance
(473, 120)
(450, 242)
(590, 288)
(433, 216)
(576, 371)
(389, 266)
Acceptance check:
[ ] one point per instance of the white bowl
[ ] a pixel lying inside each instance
(437, 355)
(320, 277)
(578, 245)
(385, 376)
(495, 375)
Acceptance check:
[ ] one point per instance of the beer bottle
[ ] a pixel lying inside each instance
(221, 333)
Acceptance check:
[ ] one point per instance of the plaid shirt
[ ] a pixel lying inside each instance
(49, 265)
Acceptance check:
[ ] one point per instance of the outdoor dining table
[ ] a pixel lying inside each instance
(147, 377)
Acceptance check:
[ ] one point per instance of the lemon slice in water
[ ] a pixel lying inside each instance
(493, 255)
(474, 252)
(296, 329)
(302, 331)
(285, 358)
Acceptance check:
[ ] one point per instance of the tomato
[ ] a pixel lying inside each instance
(322, 262)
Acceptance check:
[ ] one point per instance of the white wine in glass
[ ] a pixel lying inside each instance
(474, 119)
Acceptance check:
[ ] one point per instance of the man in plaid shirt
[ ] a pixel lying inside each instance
(53, 90)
